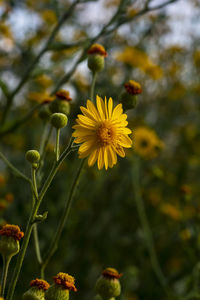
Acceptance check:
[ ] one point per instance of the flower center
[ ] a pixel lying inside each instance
(106, 133)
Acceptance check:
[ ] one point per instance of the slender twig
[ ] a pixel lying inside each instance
(94, 76)
(14, 169)
(35, 231)
(6, 262)
(57, 235)
(31, 222)
(146, 228)
(17, 123)
(26, 75)
(57, 150)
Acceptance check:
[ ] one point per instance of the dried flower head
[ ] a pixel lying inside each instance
(40, 284)
(65, 280)
(63, 95)
(12, 231)
(111, 273)
(97, 49)
(132, 87)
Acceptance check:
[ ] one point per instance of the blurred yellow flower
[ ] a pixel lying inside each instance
(139, 59)
(39, 97)
(49, 16)
(171, 211)
(185, 234)
(5, 31)
(44, 80)
(103, 133)
(146, 143)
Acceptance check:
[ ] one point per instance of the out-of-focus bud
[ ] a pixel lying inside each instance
(37, 290)
(63, 283)
(108, 285)
(129, 97)
(62, 103)
(96, 55)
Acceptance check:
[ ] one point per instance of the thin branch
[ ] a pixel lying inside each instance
(37, 58)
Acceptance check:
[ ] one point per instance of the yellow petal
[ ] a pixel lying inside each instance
(110, 107)
(100, 107)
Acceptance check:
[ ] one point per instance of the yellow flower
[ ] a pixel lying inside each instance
(103, 133)
(146, 143)
(139, 59)
(172, 211)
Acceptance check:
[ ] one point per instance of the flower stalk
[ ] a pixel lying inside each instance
(6, 262)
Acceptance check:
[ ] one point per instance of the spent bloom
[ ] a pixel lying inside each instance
(103, 133)
(12, 231)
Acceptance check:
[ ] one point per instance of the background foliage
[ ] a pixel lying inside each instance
(104, 228)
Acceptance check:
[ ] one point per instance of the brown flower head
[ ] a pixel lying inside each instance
(63, 95)
(97, 49)
(132, 87)
(111, 273)
(65, 280)
(40, 284)
(12, 231)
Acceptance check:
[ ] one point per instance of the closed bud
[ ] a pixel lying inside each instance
(37, 290)
(45, 113)
(62, 103)
(63, 283)
(108, 285)
(33, 156)
(9, 240)
(96, 55)
(59, 120)
(129, 97)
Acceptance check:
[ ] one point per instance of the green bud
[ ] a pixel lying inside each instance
(108, 287)
(9, 246)
(45, 113)
(95, 62)
(60, 106)
(128, 101)
(56, 292)
(59, 120)
(33, 156)
(41, 218)
(33, 294)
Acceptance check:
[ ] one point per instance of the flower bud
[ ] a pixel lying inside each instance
(37, 290)
(9, 241)
(129, 97)
(63, 283)
(59, 120)
(108, 285)
(96, 55)
(32, 156)
(45, 113)
(61, 103)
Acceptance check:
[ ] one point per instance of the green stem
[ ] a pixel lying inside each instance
(31, 221)
(35, 231)
(146, 228)
(54, 243)
(44, 136)
(17, 172)
(57, 144)
(6, 262)
(37, 244)
(94, 77)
